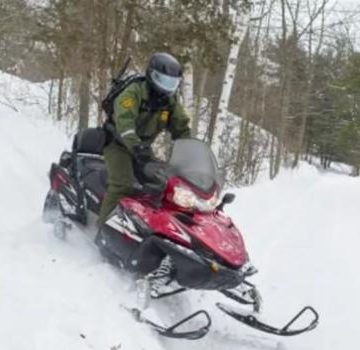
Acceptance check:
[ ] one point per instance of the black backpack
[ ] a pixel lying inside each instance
(118, 85)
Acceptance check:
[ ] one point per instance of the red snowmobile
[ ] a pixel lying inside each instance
(171, 232)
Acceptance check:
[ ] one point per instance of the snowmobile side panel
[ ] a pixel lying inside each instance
(125, 235)
(118, 246)
(71, 198)
(93, 200)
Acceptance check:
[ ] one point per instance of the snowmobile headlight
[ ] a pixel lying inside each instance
(186, 198)
(208, 204)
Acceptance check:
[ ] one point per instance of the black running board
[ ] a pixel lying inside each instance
(251, 321)
(171, 332)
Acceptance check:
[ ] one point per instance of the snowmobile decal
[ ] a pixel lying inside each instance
(123, 225)
(92, 196)
(182, 233)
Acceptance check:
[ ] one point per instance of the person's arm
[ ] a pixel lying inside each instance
(126, 111)
(179, 123)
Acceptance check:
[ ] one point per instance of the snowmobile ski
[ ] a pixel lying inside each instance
(250, 320)
(247, 295)
(171, 332)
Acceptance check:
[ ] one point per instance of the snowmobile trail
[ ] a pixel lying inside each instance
(307, 250)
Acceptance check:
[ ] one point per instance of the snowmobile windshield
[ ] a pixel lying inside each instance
(194, 161)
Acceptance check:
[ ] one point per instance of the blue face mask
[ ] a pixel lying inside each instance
(165, 82)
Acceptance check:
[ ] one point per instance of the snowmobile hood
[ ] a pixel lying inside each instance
(217, 233)
(214, 231)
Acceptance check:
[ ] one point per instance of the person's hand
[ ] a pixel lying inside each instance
(142, 153)
(155, 170)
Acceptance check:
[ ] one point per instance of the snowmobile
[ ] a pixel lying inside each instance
(172, 228)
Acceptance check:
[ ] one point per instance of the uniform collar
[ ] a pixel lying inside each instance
(146, 95)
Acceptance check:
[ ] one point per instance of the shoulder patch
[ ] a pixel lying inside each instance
(164, 116)
(127, 102)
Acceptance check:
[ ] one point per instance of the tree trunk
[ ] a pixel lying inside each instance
(300, 149)
(103, 61)
(214, 111)
(125, 40)
(242, 21)
(284, 93)
(304, 116)
(84, 106)
(60, 96)
(87, 62)
(284, 101)
(49, 107)
(199, 97)
(188, 90)
(272, 172)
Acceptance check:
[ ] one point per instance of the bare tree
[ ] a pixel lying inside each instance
(313, 13)
(242, 20)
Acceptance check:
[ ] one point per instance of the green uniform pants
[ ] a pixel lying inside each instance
(120, 172)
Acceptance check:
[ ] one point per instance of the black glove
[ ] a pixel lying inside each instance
(142, 153)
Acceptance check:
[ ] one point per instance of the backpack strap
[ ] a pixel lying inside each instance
(118, 86)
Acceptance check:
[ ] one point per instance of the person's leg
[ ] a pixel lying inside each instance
(120, 178)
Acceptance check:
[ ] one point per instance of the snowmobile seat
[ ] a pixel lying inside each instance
(88, 148)
(92, 170)
(90, 141)
(96, 181)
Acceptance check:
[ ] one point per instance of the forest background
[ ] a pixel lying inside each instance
(267, 83)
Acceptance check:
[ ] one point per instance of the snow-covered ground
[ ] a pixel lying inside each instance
(302, 231)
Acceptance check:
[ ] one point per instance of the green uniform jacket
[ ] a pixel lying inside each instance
(135, 124)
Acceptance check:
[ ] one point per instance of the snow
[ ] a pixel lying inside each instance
(305, 233)
(302, 232)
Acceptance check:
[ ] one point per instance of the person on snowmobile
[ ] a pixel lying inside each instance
(141, 112)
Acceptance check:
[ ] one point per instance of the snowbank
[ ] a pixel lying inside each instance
(302, 231)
